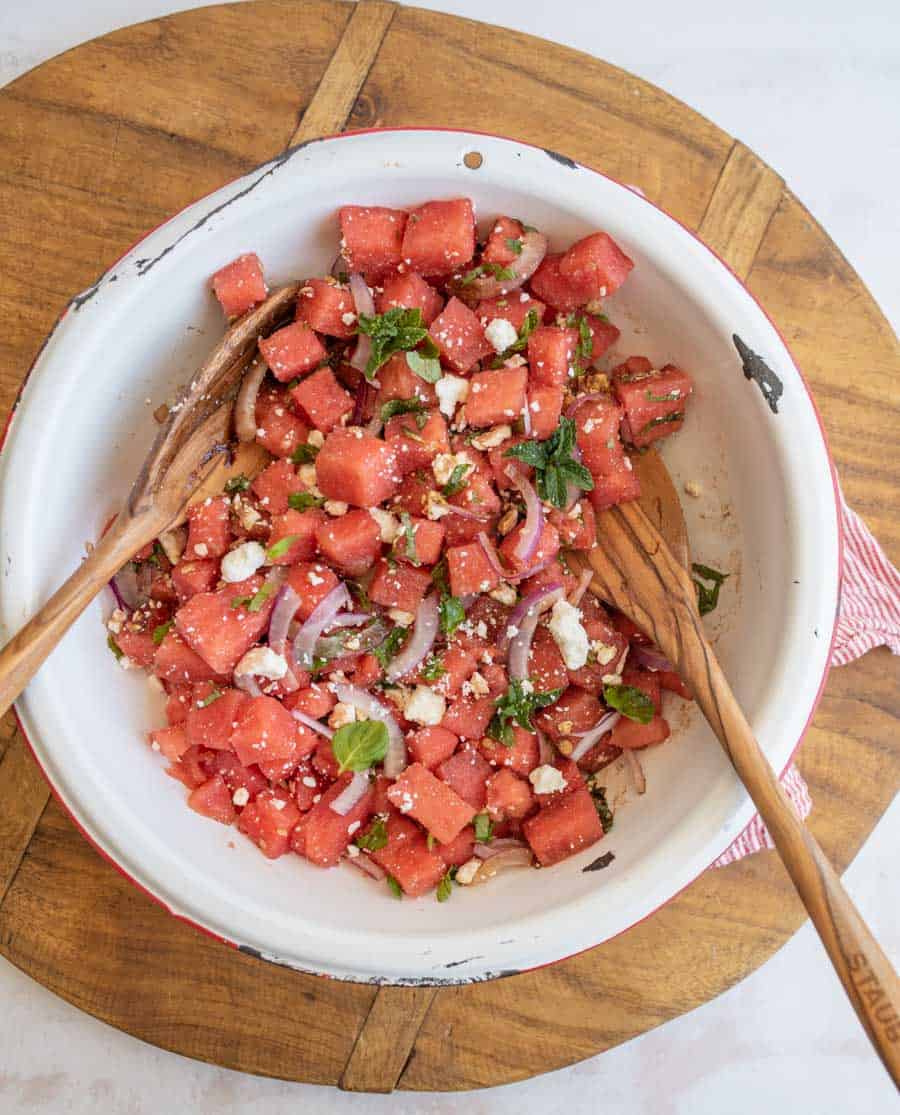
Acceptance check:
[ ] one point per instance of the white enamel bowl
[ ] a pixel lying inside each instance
(766, 513)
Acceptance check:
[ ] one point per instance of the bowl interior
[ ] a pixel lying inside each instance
(765, 514)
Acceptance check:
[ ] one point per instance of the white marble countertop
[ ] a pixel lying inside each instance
(814, 90)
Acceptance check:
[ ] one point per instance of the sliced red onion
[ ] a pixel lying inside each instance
(335, 646)
(509, 857)
(534, 248)
(526, 417)
(592, 397)
(322, 615)
(604, 724)
(367, 865)
(351, 794)
(124, 587)
(373, 709)
(465, 514)
(650, 659)
(635, 770)
(529, 540)
(286, 604)
(245, 403)
(365, 307)
(311, 722)
(580, 589)
(248, 683)
(364, 399)
(491, 554)
(495, 847)
(420, 642)
(350, 619)
(525, 618)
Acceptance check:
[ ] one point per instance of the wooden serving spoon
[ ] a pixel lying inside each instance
(641, 567)
(189, 458)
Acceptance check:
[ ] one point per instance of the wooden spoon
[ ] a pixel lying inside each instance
(190, 457)
(640, 567)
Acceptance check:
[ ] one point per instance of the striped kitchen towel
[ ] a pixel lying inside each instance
(868, 616)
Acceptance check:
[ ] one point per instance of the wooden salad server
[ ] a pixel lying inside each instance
(189, 457)
(641, 567)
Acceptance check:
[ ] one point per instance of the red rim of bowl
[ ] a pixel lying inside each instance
(837, 509)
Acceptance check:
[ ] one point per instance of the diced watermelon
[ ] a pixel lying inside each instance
(577, 528)
(135, 641)
(399, 381)
(407, 858)
(351, 543)
(219, 633)
(367, 670)
(460, 531)
(647, 681)
(210, 716)
(409, 291)
(596, 263)
(479, 497)
(324, 306)
(240, 285)
(670, 680)
(209, 528)
(328, 833)
(357, 468)
(547, 548)
(269, 820)
(301, 528)
(213, 800)
(514, 308)
(468, 717)
(431, 746)
(459, 335)
(469, 570)
(161, 588)
(466, 773)
(439, 237)
(178, 699)
(236, 775)
(654, 404)
(324, 760)
(556, 289)
(603, 335)
(630, 735)
(191, 769)
(546, 666)
(562, 829)
(597, 434)
(417, 447)
(292, 351)
(495, 676)
(545, 407)
(419, 794)
(629, 630)
(522, 757)
(265, 730)
(574, 713)
(551, 355)
(372, 239)
(322, 399)
(316, 701)
(176, 661)
(459, 850)
(402, 587)
(457, 666)
(275, 484)
(497, 248)
(171, 742)
(278, 427)
(312, 582)
(420, 543)
(496, 397)
(193, 576)
(555, 573)
(508, 796)
(307, 784)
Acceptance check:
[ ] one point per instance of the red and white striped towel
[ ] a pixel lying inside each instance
(868, 616)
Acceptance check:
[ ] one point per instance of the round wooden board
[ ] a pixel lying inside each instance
(104, 142)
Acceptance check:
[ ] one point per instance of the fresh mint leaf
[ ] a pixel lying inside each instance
(457, 480)
(394, 407)
(598, 793)
(426, 367)
(433, 669)
(304, 454)
(375, 836)
(357, 746)
(516, 706)
(159, 633)
(280, 548)
(662, 420)
(115, 648)
(238, 483)
(515, 246)
(390, 646)
(451, 613)
(254, 603)
(394, 887)
(445, 886)
(584, 352)
(494, 270)
(484, 828)
(554, 463)
(397, 330)
(669, 397)
(630, 701)
(707, 594)
(303, 501)
(409, 538)
(210, 698)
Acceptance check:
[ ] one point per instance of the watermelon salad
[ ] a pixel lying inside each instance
(381, 649)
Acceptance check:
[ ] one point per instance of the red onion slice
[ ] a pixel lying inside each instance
(529, 539)
(124, 587)
(464, 513)
(286, 604)
(365, 307)
(580, 589)
(592, 397)
(495, 847)
(635, 770)
(351, 794)
(368, 866)
(373, 709)
(525, 618)
(604, 724)
(420, 642)
(245, 403)
(509, 857)
(335, 646)
(491, 554)
(526, 418)
(248, 683)
(363, 402)
(324, 612)
(650, 659)
(312, 723)
(534, 248)
(350, 619)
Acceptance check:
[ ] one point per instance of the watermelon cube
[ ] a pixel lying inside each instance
(218, 631)
(459, 336)
(509, 797)
(547, 548)
(419, 794)
(469, 570)
(577, 527)
(546, 666)
(420, 543)
(563, 828)
(292, 351)
(172, 742)
(240, 285)
(372, 239)
(555, 289)
(269, 820)
(402, 587)
(135, 640)
(647, 681)
(596, 263)
(513, 307)
(410, 292)
(312, 582)
(191, 769)
(629, 734)
(350, 543)
(430, 746)
(415, 446)
(597, 433)
(522, 757)
(178, 700)
(439, 238)
(211, 716)
(551, 355)
(297, 530)
(503, 245)
(316, 700)
(399, 381)
(357, 468)
(603, 335)
(209, 528)
(459, 850)
(275, 484)
(322, 399)
(466, 773)
(654, 403)
(236, 775)
(278, 426)
(468, 717)
(175, 661)
(496, 397)
(407, 858)
(213, 800)
(265, 730)
(544, 408)
(573, 714)
(327, 308)
(328, 833)
(191, 577)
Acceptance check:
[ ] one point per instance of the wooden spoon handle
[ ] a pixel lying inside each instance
(22, 656)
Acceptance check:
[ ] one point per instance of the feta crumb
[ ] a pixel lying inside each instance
(352, 851)
(503, 594)
(501, 334)
(247, 515)
(568, 634)
(468, 871)
(405, 619)
(478, 685)
(240, 796)
(314, 579)
(309, 782)
(336, 507)
(201, 549)
(341, 715)
(307, 474)
(115, 621)
(388, 524)
(242, 562)
(436, 507)
(451, 390)
(316, 438)
(425, 706)
(603, 652)
(348, 318)
(612, 679)
(547, 779)
(262, 662)
(352, 827)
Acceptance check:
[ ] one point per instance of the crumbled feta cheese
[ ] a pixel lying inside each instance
(503, 594)
(547, 779)
(603, 652)
(568, 634)
(316, 438)
(336, 507)
(247, 515)
(478, 685)
(242, 562)
(501, 334)
(425, 706)
(490, 439)
(348, 318)
(262, 662)
(115, 621)
(451, 390)
(352, 851)
(307, 474)
(341, 715)
(201, 549)
(314, 579)
(468, 871)
(444, 463)
(240, 796)
(388, 524)
(612, 679)
(436, 507)
(405, 619)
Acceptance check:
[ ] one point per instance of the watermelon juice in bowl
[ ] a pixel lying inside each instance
(374, 661)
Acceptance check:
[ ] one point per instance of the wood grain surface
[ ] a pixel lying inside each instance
(102, 143)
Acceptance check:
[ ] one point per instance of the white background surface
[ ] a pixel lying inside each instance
(813, 86)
